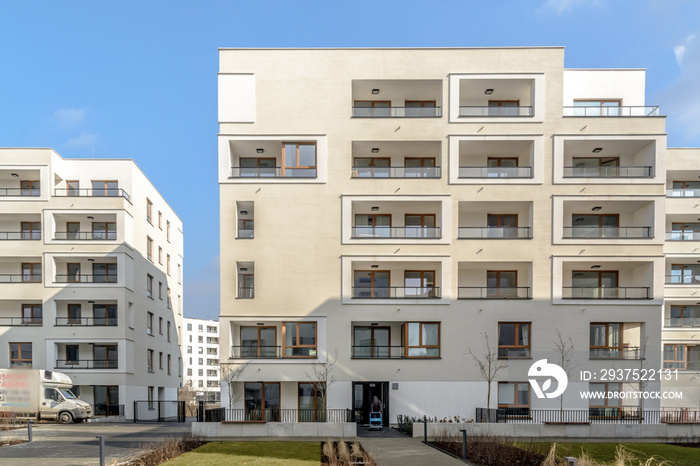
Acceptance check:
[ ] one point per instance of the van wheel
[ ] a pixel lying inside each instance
(65, 417)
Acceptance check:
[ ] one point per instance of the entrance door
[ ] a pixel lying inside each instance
(363, 394)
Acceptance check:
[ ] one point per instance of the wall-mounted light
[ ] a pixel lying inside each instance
(91, 260)
(375, 266)
(260, 323)
(488, 91)
(259, 150)
(374, 324)
(91, 302)
(597, 149)
(596, 208)
(244, 212)
(244, 269)
(375, 150)
(90, 217)
(15, 175)
(375, 208)
(375, 91)
(595, 266)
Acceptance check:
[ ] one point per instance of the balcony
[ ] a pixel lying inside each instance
(495, 111)
(395, 340)
(293, 158)
(494, 280)
(616, 340)
(599, 110)
(476, 292)
(396, 232)
(85, 278)
(626, 352)
(501, 97)
(396, 292)
(20, 278)
(86, 364)
(396, 98)
(20, 235)
(106, 191)
(396, 159)
(378, 352)
(638, 292)
(582, 171)
(593, 232)
(21, 321)
(23, 192)
(495, 232)
(256, 352)
(272, 172)
(493, 158)
(371, 110)
(85, 235)
(606, 158)
(495, 220)
(682, 192)
(274, 340)
(86, 322)
(396, 172)
(513, 353)
(689, 322)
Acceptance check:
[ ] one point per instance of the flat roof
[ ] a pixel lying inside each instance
(393, 48)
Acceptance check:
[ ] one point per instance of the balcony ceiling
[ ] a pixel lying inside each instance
(608, 207)
(6, 174)
(495, 148)
(398, 89)
(397, 149)
(503, 89)
(611, 148)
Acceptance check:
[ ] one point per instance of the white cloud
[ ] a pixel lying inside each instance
(562, 6)
(82, 140)
(679, 50)
(67, 117)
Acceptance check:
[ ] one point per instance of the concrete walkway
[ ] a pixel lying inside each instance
(406, 452)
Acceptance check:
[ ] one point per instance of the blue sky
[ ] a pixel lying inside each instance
(137, 79)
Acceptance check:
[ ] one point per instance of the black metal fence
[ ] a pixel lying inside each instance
(276, 415)
(159, 411)
(109, 410)
(608, 415)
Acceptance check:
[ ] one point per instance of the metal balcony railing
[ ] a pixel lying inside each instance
(609, 172)
(86, 364)
(396, 232)
(396, 112)
(612, 111)
(31, 192)
(21, 321)
(683, 280)
(86, 322)
(495, 172)
(246, 292)
(487, 111)
(681, 192)
(396, 172)
(682, 365)
(626, 352)
(272, 172)
(82, 278)
(495, 232)
(683, 236)
(396, 292)
(602, 415)
(513, 353)
(378, 352)
(88, 192)
(484, 292)
(246, 233)
(636, 292)
(20, 235)
(682, 322)
(85, 235)
(596, 232)
(256, 352)
(277, 415)
(20, 278)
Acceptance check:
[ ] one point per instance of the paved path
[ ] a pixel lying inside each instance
(75, 444)
(406, 451)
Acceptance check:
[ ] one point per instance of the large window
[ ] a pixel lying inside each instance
(104, 273)
(74, 313)
(30, 187)
(501, 283)
(514, 339)
(72, 354)
(685, 274)
(299, 159)
(299, 339)
(105, 314)
(151, 392)
(597, 107)
(601, 404)
(104, 230)
(262, 401)
(371, 284)
(258, 342)
(419, 283)
(685, 316)
(420, 108)
(72, 188)
(606, 340)
(675, 356)
(311, 402)
(105, 356)
(502, 225)
(246, 286)
(32, 314)
(20, 355)
(31, 230)
(504, 107)
(371, 342)
(372, 108)
(31, 272)
(372, 226)
(105, 188)
(595, 284)
(420, 225)
(595, 226)
(596, 166)
(421, 339)
(685, 231)
(514, 397)
(258, 167)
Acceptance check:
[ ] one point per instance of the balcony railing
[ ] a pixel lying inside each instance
(683, 236)
(272, 172)
(683, 192)
(82, 278)
(484, 292)
(396, 232)
(617, 111)
(396, 112)
(109, 410)
(378, 352)
(594, 232)
(246, 233)
(19, 278)
(396, 292)
(577, 292)
(513, 353)
(86, 364)
(683, 280)
(495, 172)
(625, 415)
(86, 322)
(682, 365)
(277, 415)
(31, 192)
(396, 172)
(21, 321)
(246, 292)
(85, 235)
(486, 111)
(495, 232)
(256, 352)
(88, 192)
(608, 172)
(626, 352)
(20, 235)
(682, 322)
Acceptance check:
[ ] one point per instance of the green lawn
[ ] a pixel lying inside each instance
(605, 452)
(252, 453)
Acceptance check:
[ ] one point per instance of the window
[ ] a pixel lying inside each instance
(105, 188)
(200, 361)
(20, 355)
(211, 373)
(74, 313)
(311, 406)
(513, 339)
(160, 290)
(169, 303)
(589, 284)
(420, 108)
(246, 228)
(149, 360)
(167, 230)
(372, 108)
(105, 356)
(149, 210)
(104, 273)
(609, 107)
(372, 284)
(419, 284)
(684, 316)
(299, 339)
(201, 383)
(189, 329)
(685, 231)
(595, 166)
(189, 372)
(167, 264)
(32, 314)
(504, 107)
(189, 350)
(190, 338)
(168, 331)
(497, 167)
(149, 286)
(73, 275)
(72, 354)
(212, 362)
(31, 272)
(299, 159)
(684, 274)
(501, 283)
(594, 225)
(200, 350)
(160, 255)
(200, 328)
(105, 314)
(675, 356)
(29, 188)
(603, 402)
(502, 225)
(211, 329)
(514, 397)
(213, 340)
(150, 397)
(104, 230)
(72, 188)
(212, 351)
(179, 273)
(421, 339)
(372, 226)
(212, 383)
(149, 248)
(200, 339)
(149, 323)
(200, 372)
(179, 366)
(160, 325)
(262, 400)
(372, 342)
(381, 164)
(606, 340)
(160, 220)
(246, 286)
(160, 360)
(31, 230)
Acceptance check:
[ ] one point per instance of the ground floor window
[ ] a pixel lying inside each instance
(20, 355)
(107, 400)
(262, 401)
(603, 402)
(312, 402)
(514, 397)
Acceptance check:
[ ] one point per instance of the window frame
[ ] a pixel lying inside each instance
(104, 189)
(283, 164)
(149, 248)
(318, 398)
(149, 361)
(149, 211)
(149, 286)
(405, 339)
(515, 405)
(258, 347)
(676, 353)
(149, 324)
(284, 340)
(515, 344)
(619, 348)
(33, 309)
(22, 362)
(29, 231)
(34, 277)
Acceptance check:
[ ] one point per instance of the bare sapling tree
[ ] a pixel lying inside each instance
(564, 349)
(321, 378)
(230, 374)
(188, 394)
(489, 366)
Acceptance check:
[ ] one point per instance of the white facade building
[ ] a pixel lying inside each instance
(387, 209)
(91, 259)
(200, 349)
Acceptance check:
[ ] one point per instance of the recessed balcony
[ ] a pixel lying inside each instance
(387, 280)
(509, 97)
(86, 356)
(21, 270)
(494, 220)
(86, 314)
(609, 108)
(273, 159)
(616, 340)
(588, 158)
(398, 98)
(681, 186)
(607, 281)
(97, 189)
(291, 339)
(496, 159)
(396, 159)
(605, 220)
(20, 182)
(680, 315)
(494, 280)
(101, 270)
(684, 357)
(395, 340)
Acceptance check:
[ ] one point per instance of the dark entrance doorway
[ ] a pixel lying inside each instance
(362, 395)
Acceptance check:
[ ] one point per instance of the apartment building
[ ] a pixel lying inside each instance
(201, 352)
(91, 260)
(387, 210)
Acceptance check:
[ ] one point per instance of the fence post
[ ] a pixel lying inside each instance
(159, 420)
(102, 449)
(29, 430)
(136, 410)
(425, 430)
(464, 443)
(200, 412)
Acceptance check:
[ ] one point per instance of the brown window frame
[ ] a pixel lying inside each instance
(69, 275)
(262, 390)
(515, 345)
(422, 277)
(354, 103)
(501, 159)
(149, 211)
(498, 277)
(70, 188)
(422, 220)
(318, 398)
(240, 334)
(149, 324)
(601, 106)
(149, 248)
(104, 187)
(168, 327)
(372, 160)
(404, 339)
(372, 328)
(600, 161)
(500, 217)
(169, 365)
(22, 186)
(106, 230)
(422, 102)
(28, 230)
(296, 156)
(150, 354)
(149, 285)
(34, 277)
(284, 339)
(71, 320)
(32, 318)
(160, 360)
(676, 352)
(606, 399)
(501, 102)
(600, 276)
(372, 272)
(515, 397)
(422, 161)
(19, 353)
(607, 338)
(600, 218)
